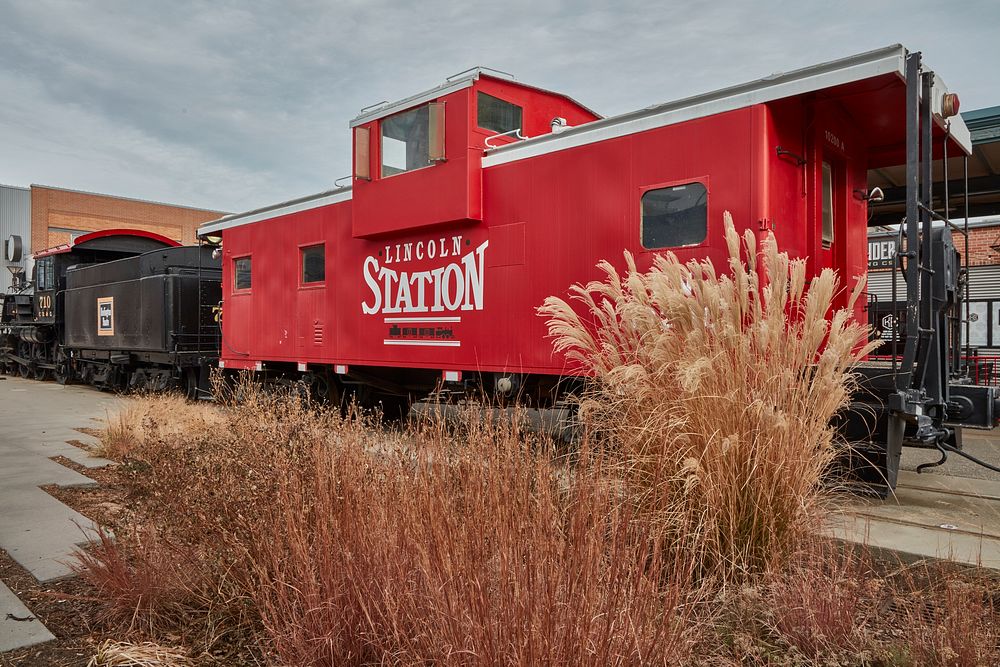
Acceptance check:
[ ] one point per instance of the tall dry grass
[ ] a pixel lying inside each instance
(266, 530)
(156, 414)
(717, 389)
(352, 544)
(469, 550)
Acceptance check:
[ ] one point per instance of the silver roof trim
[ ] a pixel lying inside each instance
(440, 91)
(276, 210)
(855, 68)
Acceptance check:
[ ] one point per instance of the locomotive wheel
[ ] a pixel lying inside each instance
(24, 370)
(42, 374)
(191, 384)
(61, 374)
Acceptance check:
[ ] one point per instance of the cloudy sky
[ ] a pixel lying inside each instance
(234, 105)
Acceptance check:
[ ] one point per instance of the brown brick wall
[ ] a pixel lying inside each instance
(980, 240)
(53, 211)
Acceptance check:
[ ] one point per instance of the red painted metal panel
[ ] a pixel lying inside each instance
(449, 191)
(444, 192)
(448, 274)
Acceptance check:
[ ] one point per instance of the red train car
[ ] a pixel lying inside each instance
(472, 202)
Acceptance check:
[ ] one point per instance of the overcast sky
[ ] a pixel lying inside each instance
(234, 105)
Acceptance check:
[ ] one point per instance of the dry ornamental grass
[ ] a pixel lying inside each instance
(269, 531)
(717, 391)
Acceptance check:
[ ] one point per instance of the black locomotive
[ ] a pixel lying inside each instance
(117, 309)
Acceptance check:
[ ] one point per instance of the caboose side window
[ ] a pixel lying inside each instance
(497, 115)
(241, 273)
(406, 141)
(827, 205)
(674, 216)
(313, 264)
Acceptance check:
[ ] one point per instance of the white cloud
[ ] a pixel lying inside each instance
(235, 105)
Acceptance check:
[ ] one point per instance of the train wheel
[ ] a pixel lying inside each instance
(42, 374)
(61, 374)
(191, 384)
(24, 351)
(322, 389)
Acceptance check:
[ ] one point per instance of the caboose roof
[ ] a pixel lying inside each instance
(454, 83)
(869, 65)
(274, 210)
(878, 64)
(105, 240)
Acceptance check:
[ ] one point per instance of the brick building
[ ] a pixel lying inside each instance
(58, 215)
(984, 278)
(981, 175)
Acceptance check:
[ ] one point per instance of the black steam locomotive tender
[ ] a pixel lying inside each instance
(117, 309)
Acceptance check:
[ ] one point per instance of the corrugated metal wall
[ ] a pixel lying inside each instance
(984, 284)
(15, 218)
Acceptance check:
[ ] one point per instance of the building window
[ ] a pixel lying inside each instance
(498, 115)
(827, 205)
(675, 216)
(313, 264)
(241, 272)
(406, 141)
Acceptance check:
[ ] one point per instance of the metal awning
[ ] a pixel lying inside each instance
(984, 174)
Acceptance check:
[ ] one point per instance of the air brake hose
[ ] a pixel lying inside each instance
(944, 447)
(972, 458)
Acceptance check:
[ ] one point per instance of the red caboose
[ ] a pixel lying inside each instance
(472, 202)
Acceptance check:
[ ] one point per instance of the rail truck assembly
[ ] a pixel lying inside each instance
(117, 309)
(471, 202)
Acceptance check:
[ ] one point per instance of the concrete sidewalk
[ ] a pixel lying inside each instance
(36, 530)
(949, 512)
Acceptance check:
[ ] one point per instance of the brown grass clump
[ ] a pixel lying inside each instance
(287, 535)
(951, 616)
(470, 550)
(351, 544)
(166, 413)
(146, 654)
(717, 391)
(825, 601)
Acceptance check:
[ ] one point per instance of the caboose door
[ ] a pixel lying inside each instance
(312, 340)
(838, 169)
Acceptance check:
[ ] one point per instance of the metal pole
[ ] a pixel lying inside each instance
(926, 197)
(965, 196)
(905, 376)
(954, 347)
(931, 366)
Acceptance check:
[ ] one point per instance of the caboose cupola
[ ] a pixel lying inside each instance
(418, 161)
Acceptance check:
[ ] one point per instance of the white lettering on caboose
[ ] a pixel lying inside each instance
(453, 286)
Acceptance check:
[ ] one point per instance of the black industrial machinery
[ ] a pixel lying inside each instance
(146, 321)
(922, 396)
(118, 309)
